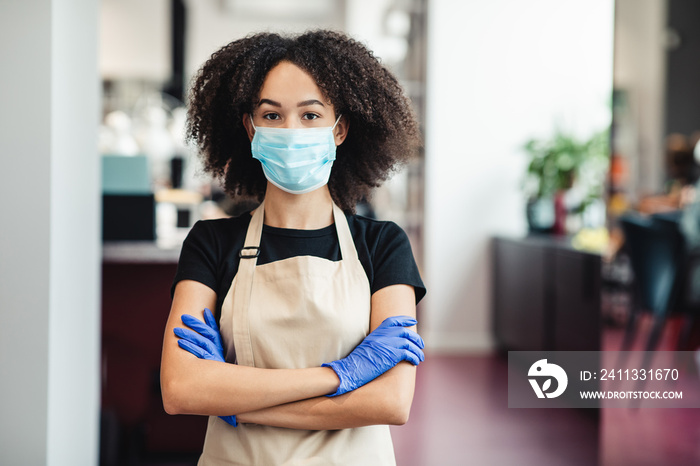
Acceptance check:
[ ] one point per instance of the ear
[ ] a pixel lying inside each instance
(248, 125)
(341, 130)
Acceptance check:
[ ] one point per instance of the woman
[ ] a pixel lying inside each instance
(313, 303)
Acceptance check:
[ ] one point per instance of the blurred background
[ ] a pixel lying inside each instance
(554, 207)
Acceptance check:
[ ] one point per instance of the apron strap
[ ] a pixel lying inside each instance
(347, 245)
(241, 296)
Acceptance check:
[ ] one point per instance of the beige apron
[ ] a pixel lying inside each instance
(295, 313)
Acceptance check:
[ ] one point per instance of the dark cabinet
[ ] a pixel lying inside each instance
(546, 295)
(136, 280)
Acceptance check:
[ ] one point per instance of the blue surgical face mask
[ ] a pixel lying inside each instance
(296, 160)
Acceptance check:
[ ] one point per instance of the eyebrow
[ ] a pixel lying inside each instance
(304, 103)
(310, 102)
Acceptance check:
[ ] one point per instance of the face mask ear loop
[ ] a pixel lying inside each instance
(336, 122)
(251, 122)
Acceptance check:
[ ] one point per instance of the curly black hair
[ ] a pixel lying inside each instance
(383, 131)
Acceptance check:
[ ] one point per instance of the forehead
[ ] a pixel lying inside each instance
(288, 81)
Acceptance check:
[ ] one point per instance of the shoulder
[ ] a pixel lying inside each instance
(220, 227)
(388, 251)
(381, 239)
(208, 248)
(374, 231)
(217, 236)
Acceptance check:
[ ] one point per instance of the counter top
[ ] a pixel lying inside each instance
(140, 252)
(562, 242)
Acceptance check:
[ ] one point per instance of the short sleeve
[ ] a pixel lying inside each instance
(198, 258)
(393, 261)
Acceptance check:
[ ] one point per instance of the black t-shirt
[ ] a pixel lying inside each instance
(210, 252)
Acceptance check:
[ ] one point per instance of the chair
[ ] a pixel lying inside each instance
(658, 258)
(657, 254)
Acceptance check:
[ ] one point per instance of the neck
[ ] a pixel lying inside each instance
(309, 211)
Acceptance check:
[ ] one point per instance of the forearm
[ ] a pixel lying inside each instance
(385, 400)
(216, 388)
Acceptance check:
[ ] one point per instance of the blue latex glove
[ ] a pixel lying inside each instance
(385, 347)
(204, 342)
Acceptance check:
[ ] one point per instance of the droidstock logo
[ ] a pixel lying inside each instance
(546, 372)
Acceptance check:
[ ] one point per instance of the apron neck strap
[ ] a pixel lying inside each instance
(252, 237)
(347, 245)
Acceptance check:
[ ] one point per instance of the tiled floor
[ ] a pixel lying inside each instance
(460, 417)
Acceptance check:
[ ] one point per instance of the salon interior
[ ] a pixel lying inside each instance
(548, 211)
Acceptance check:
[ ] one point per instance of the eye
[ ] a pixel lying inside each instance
(311, 116)
(271, 116)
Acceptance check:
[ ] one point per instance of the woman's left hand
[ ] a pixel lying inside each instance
(204, 342)
(381, 350)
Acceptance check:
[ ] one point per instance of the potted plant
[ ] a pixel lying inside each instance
(554, 167)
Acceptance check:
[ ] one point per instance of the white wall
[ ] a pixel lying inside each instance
(50, 249)
(499, 72)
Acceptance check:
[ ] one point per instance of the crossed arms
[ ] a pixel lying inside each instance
(292, 398)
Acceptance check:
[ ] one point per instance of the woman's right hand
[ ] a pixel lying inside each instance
(204, 341)
(389, 344)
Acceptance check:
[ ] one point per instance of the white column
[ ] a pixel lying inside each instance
(499, 73)
(640, 70)
(50, 240)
